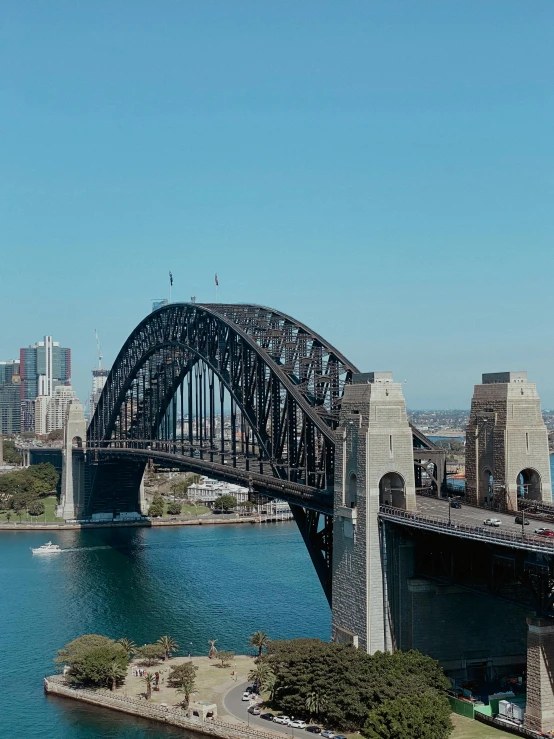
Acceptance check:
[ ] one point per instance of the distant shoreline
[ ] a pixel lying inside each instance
(151, 523)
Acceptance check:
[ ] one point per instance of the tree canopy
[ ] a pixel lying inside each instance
(425, 716)
(306, 680)
(156, 508)
(19, 489)
(11, 455)
(94, 660)
(225, 502)
(150, 653)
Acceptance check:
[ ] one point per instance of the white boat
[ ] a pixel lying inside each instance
(47, 548)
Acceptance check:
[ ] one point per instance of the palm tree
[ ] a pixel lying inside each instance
(169, 644)
(259, 639)
(128, 645)
(115, 672)
(315, 703)
(263, 675)
(149, 679)
(185, 688)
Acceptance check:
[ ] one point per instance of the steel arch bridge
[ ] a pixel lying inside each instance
(241, 393)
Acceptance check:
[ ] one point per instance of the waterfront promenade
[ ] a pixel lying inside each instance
(205, 520)
(212, 684)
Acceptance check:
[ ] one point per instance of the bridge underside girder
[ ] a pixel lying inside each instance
(513, 575)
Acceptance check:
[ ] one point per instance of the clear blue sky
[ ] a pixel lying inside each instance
(382, 171)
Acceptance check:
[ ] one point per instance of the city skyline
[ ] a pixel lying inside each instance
(382, 173)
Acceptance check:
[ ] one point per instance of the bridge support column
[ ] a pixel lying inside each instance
(374, 466)
(73, 464)
(539, 714)
(507, 454)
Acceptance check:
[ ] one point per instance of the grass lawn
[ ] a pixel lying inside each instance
(466, 728)
(50, 503)
(188, 510)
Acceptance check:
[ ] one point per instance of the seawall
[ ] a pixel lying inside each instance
(56, 685)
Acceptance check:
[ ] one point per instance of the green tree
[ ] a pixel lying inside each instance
(174, 508)
(149, 654)
(156, 508)
(169, 645)
(36, 508)
(94, 660)
(315, 703)
(8, 516)
(116, 672)
(55, 435)
(225, 502)
(424, 716)
(225, 658)
(259, 640)
(11, 454)
(149, 680)
(308, 666)
(183, 678)
(262, 674)
(128, 645)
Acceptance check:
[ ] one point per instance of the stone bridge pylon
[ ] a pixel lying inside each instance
(374, 466)
(507, 457)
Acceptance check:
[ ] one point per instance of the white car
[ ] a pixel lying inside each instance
(282, 720)
(298, 724)
(492, 522)
(246, 696)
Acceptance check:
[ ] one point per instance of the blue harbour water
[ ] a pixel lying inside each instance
(194, 583)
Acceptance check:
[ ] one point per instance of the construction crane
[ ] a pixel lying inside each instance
(99, 349)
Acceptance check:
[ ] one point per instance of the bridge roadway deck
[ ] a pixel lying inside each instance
(468, 523)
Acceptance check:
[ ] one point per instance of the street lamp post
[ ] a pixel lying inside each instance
(449, 502)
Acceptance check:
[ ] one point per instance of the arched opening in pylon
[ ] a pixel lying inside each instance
(529, 484)
(392, 490)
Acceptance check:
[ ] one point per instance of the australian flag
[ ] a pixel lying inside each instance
(170, 279)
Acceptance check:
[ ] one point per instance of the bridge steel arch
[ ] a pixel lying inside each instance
(261, 396)
(242, 393)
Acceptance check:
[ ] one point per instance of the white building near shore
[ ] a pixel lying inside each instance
(208, 490)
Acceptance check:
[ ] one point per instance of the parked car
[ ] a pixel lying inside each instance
(254, 710)
(520, 520)
(455, 504)
(297, 724)
(249, 689)
(327, 734)
(492, 522)
(267, 716)
(246, 696)
(340, 736)
(282, 720)
(313, 729)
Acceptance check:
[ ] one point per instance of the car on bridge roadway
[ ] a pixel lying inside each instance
(492, 522)
(455, 504)
(544, 532)
(520, 520)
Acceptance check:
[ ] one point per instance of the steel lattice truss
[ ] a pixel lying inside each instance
(237, 392)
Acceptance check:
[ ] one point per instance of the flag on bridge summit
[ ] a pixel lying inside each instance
(170, 279)
(216, 280)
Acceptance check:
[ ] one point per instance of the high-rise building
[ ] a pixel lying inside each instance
(10, 402)
(55, 414)
(43, 366)
(99, 377)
